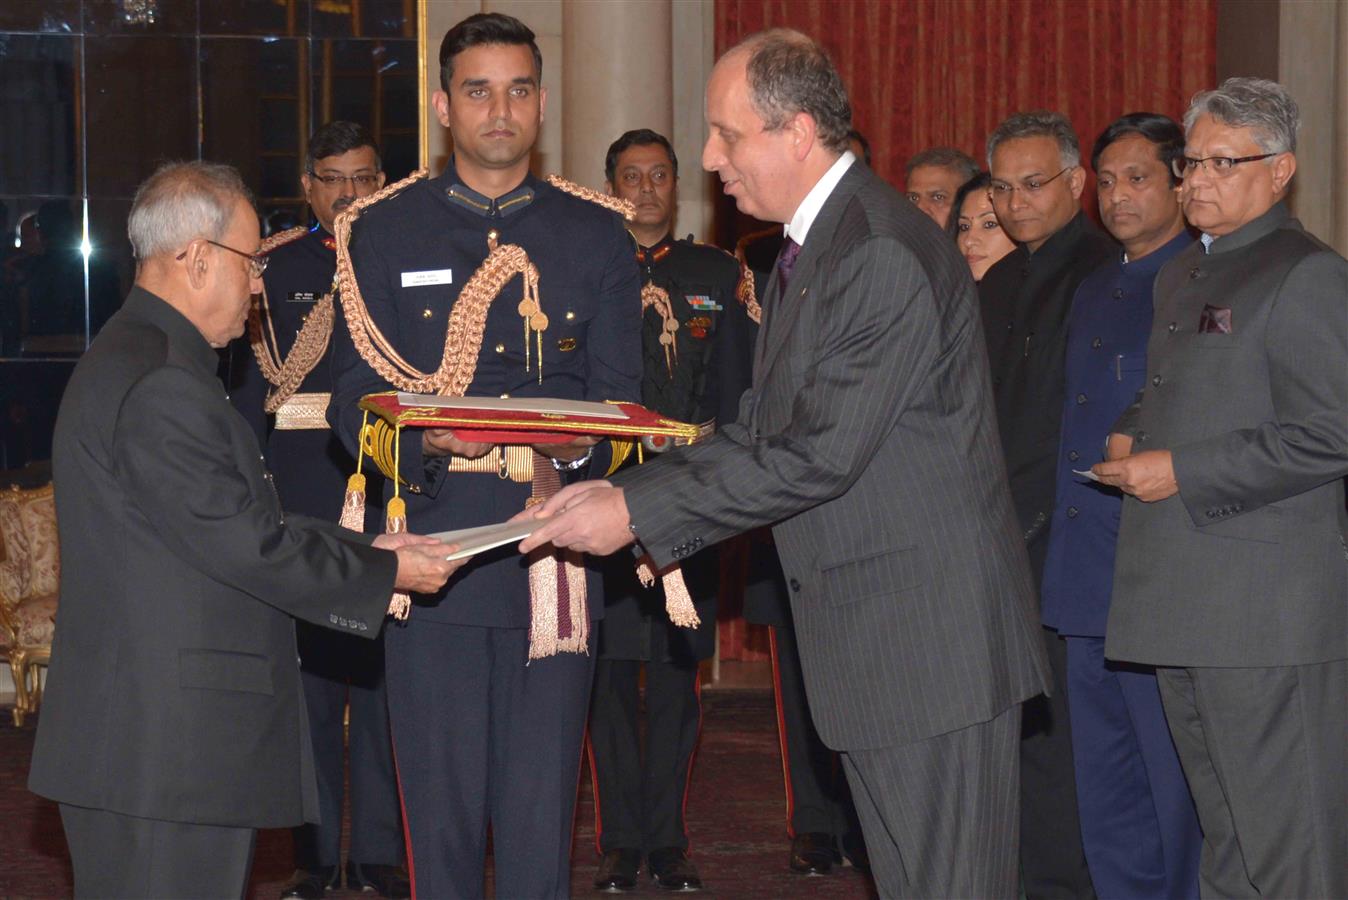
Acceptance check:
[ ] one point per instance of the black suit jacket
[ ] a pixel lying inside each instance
(174, 690)
(1026, 298)
(868, 441)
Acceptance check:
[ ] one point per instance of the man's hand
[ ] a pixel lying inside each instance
(1117, 446)
(590, 516)
(1149, 476)
(422, 567)
(573, 449)
(442, 442)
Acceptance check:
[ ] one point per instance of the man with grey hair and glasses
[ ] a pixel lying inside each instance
(174, 720)
(1037, 180)
(1232, 568)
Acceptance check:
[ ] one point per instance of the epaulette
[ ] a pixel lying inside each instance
(624, 208)
(696, 243)
(281, 238)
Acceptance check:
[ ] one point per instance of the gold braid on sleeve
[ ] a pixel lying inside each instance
(617, 204)
(467, 319)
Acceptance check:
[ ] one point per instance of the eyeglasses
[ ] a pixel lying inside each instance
(1000, 190)
(357, 181)
(1217, 165)
(257, 263)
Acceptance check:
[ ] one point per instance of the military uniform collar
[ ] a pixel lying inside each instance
(1252, 231)
(648, 255)
(182, 334)
(465, 197)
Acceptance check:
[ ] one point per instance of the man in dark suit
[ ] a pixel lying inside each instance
(1232, 571)
(868, 443)
(174, 721)
(488, 728)
(1037, 180)
(311, 468)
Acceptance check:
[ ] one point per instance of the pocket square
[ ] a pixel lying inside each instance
(1214, 320)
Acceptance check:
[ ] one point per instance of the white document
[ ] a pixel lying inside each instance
(473, 541)
(1086, 474)
(428, 277)
(516, 404)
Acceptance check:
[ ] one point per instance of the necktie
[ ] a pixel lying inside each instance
(786, 261)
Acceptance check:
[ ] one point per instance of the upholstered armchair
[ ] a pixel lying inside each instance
(30, 566)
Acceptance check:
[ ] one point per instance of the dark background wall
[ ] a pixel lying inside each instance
(94, 94)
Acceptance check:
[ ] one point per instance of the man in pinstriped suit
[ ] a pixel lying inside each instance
(868, 441)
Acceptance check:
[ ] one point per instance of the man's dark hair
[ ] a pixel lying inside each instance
(864, 144)
(957, 161)
(639, 137)
(1162, 131)
(979, 182)
(336, 138)
(790, 73)
(485, 28)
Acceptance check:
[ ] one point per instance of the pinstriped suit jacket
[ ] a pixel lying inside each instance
(870, 444)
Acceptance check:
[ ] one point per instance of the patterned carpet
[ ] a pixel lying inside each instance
(735, 819)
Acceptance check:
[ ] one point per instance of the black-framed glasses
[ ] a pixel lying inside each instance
(1217, 165)
(257, 263)
(1001, 190)
(357, 181)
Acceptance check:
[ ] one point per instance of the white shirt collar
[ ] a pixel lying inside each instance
(809, 208)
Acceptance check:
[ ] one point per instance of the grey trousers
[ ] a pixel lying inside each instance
(114, 855)
(1265, 752)
(941, 816)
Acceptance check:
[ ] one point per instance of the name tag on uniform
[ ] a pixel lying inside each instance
(302, 297)
(431, 276)
(702, 301)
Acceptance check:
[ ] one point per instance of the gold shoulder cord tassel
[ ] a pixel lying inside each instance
(353, 506)
(678, 602)
(396, 523)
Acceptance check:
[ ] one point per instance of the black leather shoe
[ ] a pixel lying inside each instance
(672, 870)
(813, 853)
(856, 854)
(304, 885)
(386, 881)
(618, 871)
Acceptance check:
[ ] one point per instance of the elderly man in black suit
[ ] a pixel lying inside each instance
(1232, 570)
(868, 442)
(174, 722)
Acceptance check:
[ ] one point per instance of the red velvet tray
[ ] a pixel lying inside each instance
(515, 426)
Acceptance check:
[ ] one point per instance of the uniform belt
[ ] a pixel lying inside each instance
(303, 412)
(518, 464)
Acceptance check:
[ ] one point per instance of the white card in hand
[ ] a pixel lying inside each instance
(473, 541)
(1086, 474)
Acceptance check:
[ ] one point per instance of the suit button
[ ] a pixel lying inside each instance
(1171, 327)
(1211, 514)
(500, 348)
(1072, 512)
(1073, 455)
(1081, 398)
(570, 315)
(1156, 381)
(1194, 272)
(426, 313)
(1096, 344)
(1118, 293)
(505, 396)
(332, 618)
(795, 585)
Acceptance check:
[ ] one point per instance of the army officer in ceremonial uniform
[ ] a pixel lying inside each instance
(689, 289)
(483, 735)
(311, 467)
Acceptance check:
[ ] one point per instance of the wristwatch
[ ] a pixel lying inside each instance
(574, 464)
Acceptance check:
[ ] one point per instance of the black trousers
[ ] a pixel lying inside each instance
(639, 796)
(119, 856)
(817, 796)
(336, 669)
(482, 737)
(1052, 858)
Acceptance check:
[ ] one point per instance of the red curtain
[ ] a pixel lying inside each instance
(924, 73)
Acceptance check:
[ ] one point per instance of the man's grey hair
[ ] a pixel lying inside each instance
(1261, 105)
(957, 161)
(180, 202)
(790, 73)
(1039, 123)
